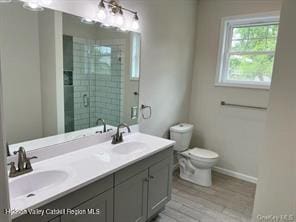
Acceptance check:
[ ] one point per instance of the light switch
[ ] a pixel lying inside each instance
(134, 112)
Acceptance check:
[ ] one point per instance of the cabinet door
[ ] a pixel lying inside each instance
(131, 199)
(103, 203)
(159, 186)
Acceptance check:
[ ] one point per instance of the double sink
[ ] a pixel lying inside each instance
(58, 176)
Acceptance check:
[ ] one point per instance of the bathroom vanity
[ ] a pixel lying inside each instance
(82, 80)
(127, 182)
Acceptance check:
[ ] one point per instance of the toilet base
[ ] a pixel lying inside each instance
(201, 177)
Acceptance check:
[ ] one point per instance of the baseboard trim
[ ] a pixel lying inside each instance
(236, 174)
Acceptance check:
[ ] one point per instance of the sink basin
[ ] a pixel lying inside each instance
(129, 148)
(29, 185)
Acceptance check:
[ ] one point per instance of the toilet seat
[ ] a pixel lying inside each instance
(197, 153)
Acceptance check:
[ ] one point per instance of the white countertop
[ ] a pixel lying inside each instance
(57, 139)
(86, 166)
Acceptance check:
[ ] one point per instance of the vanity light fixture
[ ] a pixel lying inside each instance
(111, 13)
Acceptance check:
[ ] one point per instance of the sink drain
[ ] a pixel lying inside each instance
(30, 195)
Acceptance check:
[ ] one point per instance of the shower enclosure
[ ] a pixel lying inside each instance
(93, 81)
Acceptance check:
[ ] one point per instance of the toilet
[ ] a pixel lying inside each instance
(196, 163)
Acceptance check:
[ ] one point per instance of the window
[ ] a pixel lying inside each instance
(247, 51)
(135, 56)
(103, 60)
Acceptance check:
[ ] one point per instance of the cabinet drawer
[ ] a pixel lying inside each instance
(137, 167)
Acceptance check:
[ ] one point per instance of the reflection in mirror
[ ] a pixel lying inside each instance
(61, 74)
(98, 79)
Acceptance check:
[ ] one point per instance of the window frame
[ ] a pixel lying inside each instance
(227, 25)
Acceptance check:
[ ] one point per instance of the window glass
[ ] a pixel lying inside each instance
(248, 51)
(135, 56)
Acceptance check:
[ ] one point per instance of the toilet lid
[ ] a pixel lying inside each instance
(203, 153)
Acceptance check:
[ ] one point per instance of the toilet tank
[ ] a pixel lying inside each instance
(182, 134)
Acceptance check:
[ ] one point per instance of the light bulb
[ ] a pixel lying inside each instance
(102, 11)
(119, 18)
(135, 23)
(101, 14)
(112, 19)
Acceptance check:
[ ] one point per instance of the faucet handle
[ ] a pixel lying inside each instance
(33, 157)
(114, 139)
(12, 168)
(28, 162)
(120, 139)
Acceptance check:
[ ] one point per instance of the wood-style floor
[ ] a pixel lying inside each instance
(228, 200)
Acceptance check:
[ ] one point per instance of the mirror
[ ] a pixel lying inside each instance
(60, 74)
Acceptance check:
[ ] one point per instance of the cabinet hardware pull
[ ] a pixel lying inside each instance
(151, 177)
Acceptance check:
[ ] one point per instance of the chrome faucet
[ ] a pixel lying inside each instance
(24, 164)
(118, 138)
(104, 124)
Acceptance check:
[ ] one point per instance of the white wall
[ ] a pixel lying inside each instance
(236, 134)
(4, 198)
(32, 70)
(166, 61)
(51, 72)
(277, 170)
(168, 29)
(20, 73)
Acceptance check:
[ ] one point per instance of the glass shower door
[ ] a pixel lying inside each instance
(81, 82)
(97, 83)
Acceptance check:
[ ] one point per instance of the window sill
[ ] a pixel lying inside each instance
(242, 85)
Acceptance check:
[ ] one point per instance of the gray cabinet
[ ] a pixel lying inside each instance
(143, 194)
(57, 219)
(98, 209)
(159, 186)
(95, 194)
(130, 199)
(135, 193)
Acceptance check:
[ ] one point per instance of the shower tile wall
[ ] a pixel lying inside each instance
(110, 80)
(98, 81)
(81, 75)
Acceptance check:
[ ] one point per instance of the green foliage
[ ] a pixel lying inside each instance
(252, 53)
